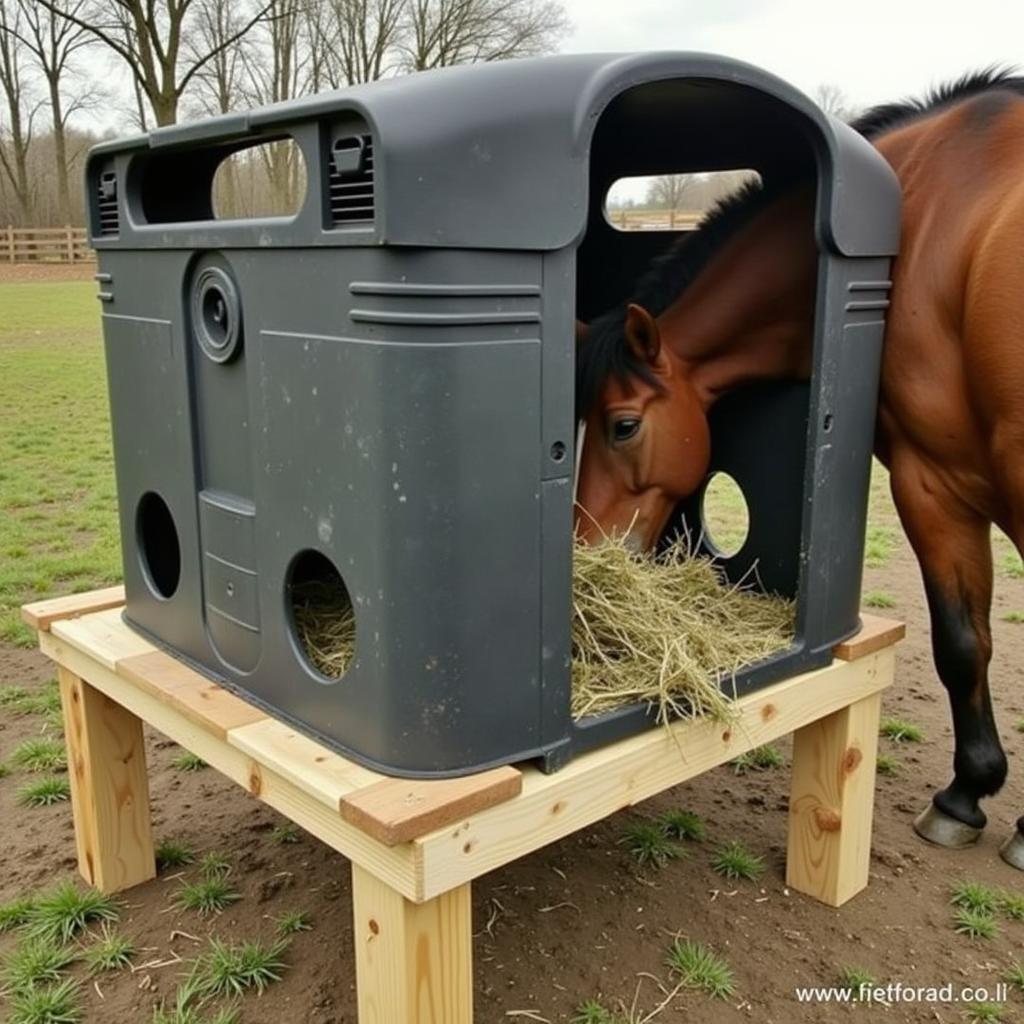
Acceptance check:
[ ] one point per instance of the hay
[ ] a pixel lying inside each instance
(325, 624)
(663, 631)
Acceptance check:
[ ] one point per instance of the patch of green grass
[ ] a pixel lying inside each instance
(1019, 726)
(696, 966)
(1015, 975)
(12, 696)
(57, 494)
(294, 921)
(110, 952)
(40, 754)
(648, 844)
(186, 761)
(760, 759)
(207, 896)
(16, 913)
(1011, 904)
(1012, 565)
(734, 860)
(215, 865)
(52, 790)
(4, 770)
(1013, 617)
(878, 546)
(35, 961)
(879, 599)
(975, 924)
(854, 979)
(52, 1004)
(232, 970)
(985, 1013)
(590, 1011)
(974, 896)
(682, 825)
(172, 854)
(186, 1010)
(900, 731)
(65, 911)
(285, 834)
(887, 765)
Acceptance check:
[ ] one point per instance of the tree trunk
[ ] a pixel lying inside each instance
(60, 153)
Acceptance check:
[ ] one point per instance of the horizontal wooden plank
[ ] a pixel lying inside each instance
(196, 697)
(875, 633)
(599, 783)
(104, 636)
(42, 614)
(395, 866)
(309, 765)
(399, 810)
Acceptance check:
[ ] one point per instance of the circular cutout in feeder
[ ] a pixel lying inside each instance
(322, 616)
(725, 517)
(159, 548)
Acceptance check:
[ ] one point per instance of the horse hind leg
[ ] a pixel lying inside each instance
(953, 547)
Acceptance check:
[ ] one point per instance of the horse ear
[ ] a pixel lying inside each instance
(582, 332)
(642, 334)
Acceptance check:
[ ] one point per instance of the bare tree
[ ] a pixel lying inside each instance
(442, 32)
(834, 101)
(218, 84)
(149, 36)
(53, 42)
(366, 31)
(666, 192)
(16, 140)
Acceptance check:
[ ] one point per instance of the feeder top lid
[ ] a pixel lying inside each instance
(498, 155)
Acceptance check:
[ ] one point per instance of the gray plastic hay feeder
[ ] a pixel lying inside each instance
(385, 381)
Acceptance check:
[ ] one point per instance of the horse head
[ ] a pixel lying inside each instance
(646, 442)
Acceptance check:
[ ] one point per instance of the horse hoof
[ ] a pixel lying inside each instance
(939, 828)
(1012, 851)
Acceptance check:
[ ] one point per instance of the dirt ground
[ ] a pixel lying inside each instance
(577, 920)
(17, 273)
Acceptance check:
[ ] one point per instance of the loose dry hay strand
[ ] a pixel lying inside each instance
(664, 631)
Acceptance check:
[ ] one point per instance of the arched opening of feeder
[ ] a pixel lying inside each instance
(159, 547)
(321, 614)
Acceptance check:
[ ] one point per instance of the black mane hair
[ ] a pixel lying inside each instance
(888, 116)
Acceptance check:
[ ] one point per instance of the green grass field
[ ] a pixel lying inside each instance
(58, 509)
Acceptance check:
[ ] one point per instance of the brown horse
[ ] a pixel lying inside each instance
(734, 303)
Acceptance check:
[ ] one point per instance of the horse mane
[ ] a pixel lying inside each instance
(887, 116)
(605, 352)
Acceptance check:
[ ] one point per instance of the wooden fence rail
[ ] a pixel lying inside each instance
(45, 245)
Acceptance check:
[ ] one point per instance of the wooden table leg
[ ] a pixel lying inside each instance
(109, 788)
(414, 961)
(831, 803)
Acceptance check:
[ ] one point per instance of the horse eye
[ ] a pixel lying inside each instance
(623, 430)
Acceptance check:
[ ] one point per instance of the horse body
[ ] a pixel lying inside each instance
(951, 402)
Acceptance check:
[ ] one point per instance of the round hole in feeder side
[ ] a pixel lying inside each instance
(321, 615)
(725, 517)
(159, 547)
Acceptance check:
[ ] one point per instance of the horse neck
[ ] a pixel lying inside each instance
(749, 313)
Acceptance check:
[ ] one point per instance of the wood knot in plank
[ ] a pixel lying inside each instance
(851, 759)
(255, 780)
(768, 712)
(827, 820)
(374, 927)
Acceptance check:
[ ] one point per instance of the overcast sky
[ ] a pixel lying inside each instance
(874, 50)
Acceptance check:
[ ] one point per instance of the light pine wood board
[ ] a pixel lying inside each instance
(414, 963)
(875, 634)
(597, 784)
(41, 614)
(395, 866)
(109, 787)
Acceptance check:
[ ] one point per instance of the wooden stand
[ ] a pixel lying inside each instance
(416, 846)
